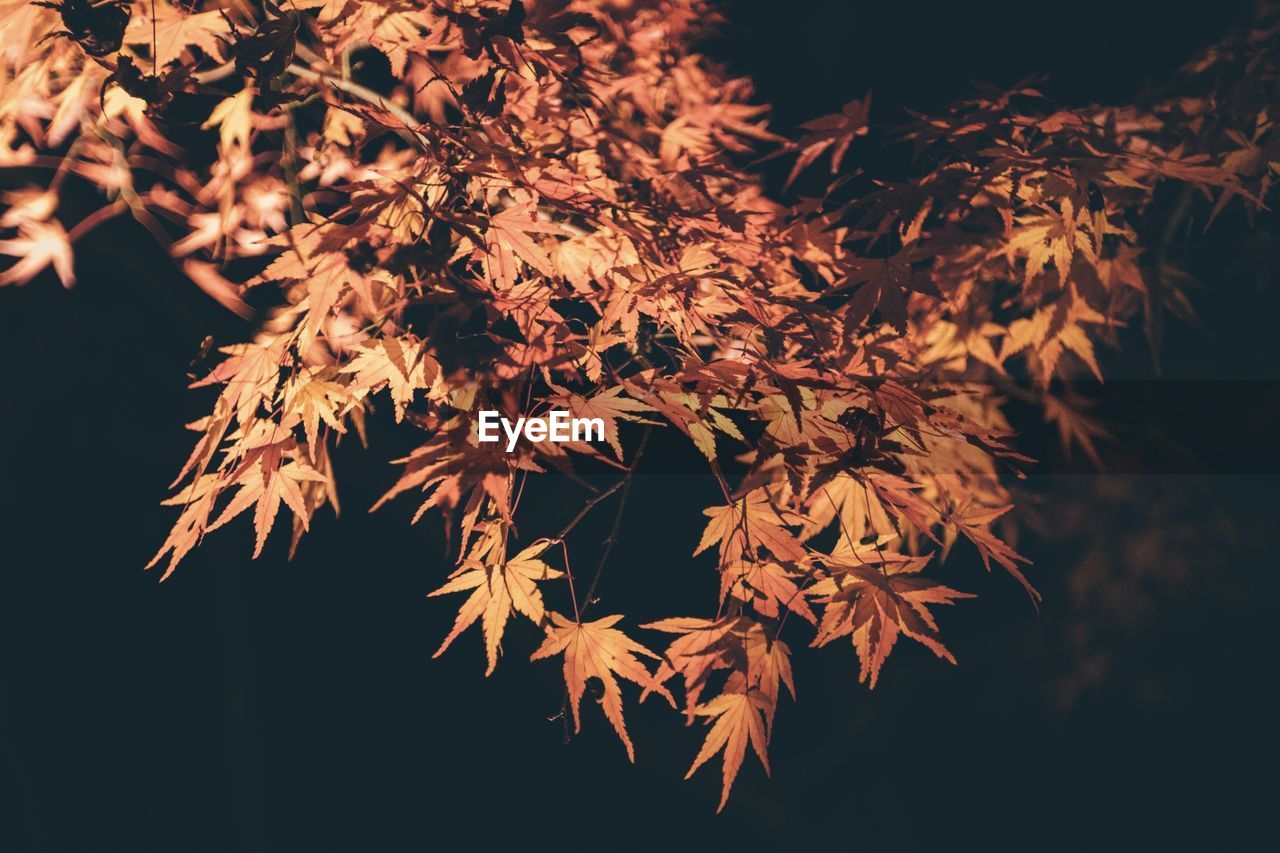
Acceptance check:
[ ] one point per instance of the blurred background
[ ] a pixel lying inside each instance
(276, 705)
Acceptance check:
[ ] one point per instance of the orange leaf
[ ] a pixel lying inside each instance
(497, 590)
(737, 720)
(597, 650)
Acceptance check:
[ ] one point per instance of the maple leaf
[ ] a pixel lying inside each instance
(264, 485)
(29, 204)
(448, 467)
(508, 238)
(873, 604)
(853, 505)
(497, 590)
(750, 525)
(250, 375)
(835, 131)
(975, 523)
(391, 31)
(768, 668)
(1052, 237)
(610, 407)
(325, 288)
(315, 399)
(175, 28)
(902, 497)
(99, 29)
(197, 502)
(738, 719)
(234, 119)
(882, 285)
(1075, 427)
(396, 363)
(38, 245)
(768, 586)
(1050, 331)
(704, 645)
(598, 650)
(697, 418)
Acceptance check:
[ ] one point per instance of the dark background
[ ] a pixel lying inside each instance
(277, 705)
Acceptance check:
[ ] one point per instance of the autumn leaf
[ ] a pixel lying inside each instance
(38, 245)
(497, 590)
(1075, 427)
(873, 604)
(316, 399)
(702, 647)
(264, 486)
(177, 28)
(768, 587)
(768, 670)
(975, 523)
(751, 526)
(597, 650)
(610, 407)
(883, 286)
(394, 363)
(531, 207)
(735, 720)
(834, 132)
(508, 238)
(234, 119)
(250, 376)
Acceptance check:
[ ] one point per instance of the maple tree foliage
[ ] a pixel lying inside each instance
(488, 204)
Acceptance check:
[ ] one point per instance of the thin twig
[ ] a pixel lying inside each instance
(612, 538)
(586, 508)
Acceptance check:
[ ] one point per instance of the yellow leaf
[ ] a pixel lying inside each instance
(234, 118)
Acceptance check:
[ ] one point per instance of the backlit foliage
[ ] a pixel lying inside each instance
(471, 204)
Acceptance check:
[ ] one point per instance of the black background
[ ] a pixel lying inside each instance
(277, 705)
